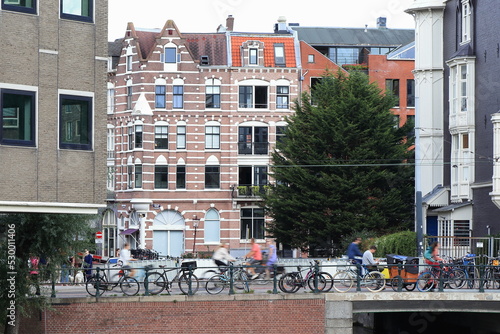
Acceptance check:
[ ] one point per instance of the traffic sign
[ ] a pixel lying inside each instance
(98, 235)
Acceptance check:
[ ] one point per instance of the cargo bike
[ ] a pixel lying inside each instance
(403, 270)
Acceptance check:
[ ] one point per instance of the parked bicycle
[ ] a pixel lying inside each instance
(292, 282)
(491, 275)
(157, 282)
(219, 282)
(452, 277)
(96, 286)
(344, 280)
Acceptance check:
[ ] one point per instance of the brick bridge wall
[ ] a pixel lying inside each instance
(170, 315)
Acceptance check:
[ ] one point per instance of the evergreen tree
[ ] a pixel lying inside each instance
(342, 166)
(54, 237)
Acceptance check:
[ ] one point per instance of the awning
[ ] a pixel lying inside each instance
(129, 231)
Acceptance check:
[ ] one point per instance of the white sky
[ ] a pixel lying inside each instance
(254, 15)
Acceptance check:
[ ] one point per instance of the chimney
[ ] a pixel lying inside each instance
(281, 26)
(230, 23)
(382, 23)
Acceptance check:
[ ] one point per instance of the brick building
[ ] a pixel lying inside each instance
(393, 72)
(195, 118)
(52, 93)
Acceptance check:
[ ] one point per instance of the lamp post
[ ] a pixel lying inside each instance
(196, 221)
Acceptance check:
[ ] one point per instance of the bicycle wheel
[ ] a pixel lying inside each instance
(426, 281)
(91, 286)
(216, 284)
(395, 281)
(374, 281)
(184, 283)
(156, 283)
(325, 282)
(240, 279)
(129, 286)
(458, 278)
(343, 281)
(289, 283)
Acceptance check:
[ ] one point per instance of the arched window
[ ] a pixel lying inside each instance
(212, 226)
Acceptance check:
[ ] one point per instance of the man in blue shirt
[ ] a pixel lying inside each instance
(353, 251)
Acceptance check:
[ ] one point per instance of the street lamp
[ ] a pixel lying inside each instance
(196, 221)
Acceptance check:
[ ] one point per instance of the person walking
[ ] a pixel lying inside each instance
(87, 264)
(255, 256)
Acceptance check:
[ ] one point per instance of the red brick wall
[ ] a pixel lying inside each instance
(235, 316)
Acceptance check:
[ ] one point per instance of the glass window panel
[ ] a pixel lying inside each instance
(181, 177)
(75, 122)
(212, 137)
(212, 177)
(181, 137)
(17, 118)
(170, 55)
(161, 177)
(252, 56)
(25, 6)
(138, 176)
(178, 97)
(246, 97)
(161, 137)
(160, 96)
(81, 10)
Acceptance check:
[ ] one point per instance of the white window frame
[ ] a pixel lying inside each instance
(466, 21)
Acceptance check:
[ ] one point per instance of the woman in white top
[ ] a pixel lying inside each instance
(221, 256)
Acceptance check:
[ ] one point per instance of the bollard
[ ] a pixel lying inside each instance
(190, 290)
(146, 282)
(441, 278)
(98, 283)
(316, 273)
(400, 278)
(275, 281)
(53, 279)
(231, 278)
(482, 281)
(358, 277)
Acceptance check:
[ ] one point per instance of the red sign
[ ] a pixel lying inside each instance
(98, 235)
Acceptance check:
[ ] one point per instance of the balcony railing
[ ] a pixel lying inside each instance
(251, 190)
(253, 148)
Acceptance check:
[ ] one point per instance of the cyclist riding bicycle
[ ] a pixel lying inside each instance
(431, 255)
(222, 257)
(255, 256)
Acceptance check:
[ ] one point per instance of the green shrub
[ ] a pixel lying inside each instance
(401, 243)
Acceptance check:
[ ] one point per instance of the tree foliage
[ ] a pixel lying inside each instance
(341, 167)
(54, 237)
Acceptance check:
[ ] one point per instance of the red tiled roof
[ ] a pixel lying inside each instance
(288, 43)
(147, 41)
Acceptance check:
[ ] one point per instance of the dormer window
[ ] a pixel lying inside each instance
(170, 56)
(279, 55)
(253, 58)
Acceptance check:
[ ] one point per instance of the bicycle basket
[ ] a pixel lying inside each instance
(185, 265)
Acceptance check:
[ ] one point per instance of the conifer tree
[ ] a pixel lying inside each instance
(342, 166)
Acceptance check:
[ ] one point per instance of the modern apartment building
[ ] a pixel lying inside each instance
(458, 124)
(53, 98)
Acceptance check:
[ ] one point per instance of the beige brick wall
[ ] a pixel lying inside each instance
(50, 54)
